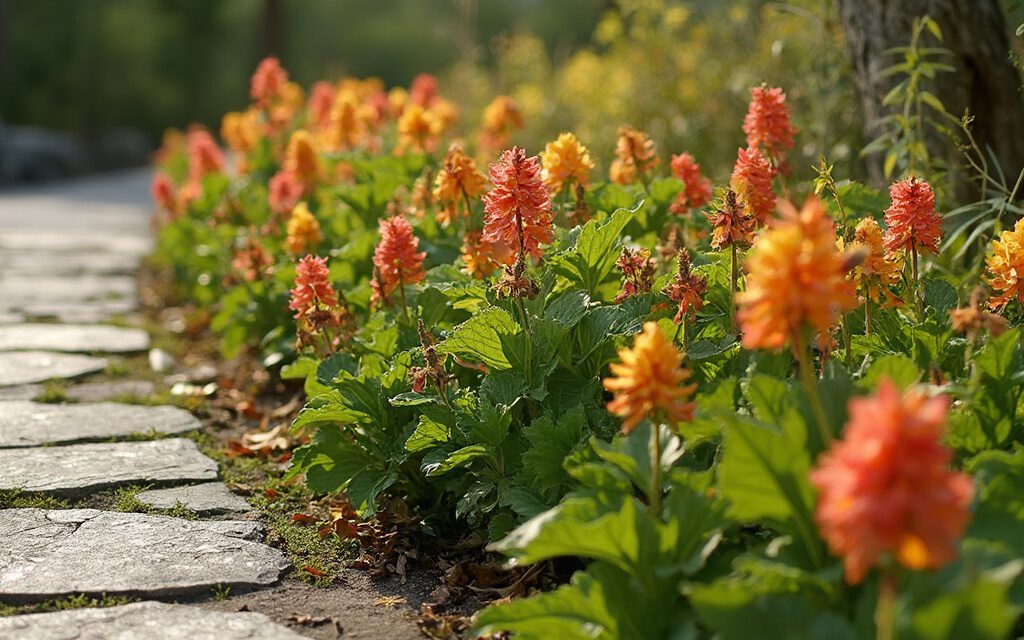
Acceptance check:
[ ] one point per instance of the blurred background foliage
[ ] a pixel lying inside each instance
(678, 69)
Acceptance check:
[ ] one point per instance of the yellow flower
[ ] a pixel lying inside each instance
(418, 130)
(649, 381)
(240, 130)
(635, 156)
(458, 180)
(501, 117)
(303, 230)
(795, 278)
(565, 159)
(346, 128)
(878, 271)
(301, 158)
(1005, 266)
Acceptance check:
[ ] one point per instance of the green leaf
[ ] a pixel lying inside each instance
(324, 409)
(550, 444)
(456, 459)
(939, 296)
(428, 434)
(999, 515)
(980, 611)
(591, 260)
(479, 338)
(632, 454)
(334, 461)
(900, 369)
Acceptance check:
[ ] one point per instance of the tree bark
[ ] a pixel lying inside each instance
(985, 81)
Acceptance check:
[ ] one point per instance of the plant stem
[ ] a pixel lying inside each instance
(915, 286)
(885, 609)
(810, 380)
(867, 315)
(734, 283)
(401, 295)
(846, 342)
(529, 340)
(655, 497)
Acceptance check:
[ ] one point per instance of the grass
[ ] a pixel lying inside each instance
(20, 499)
(79, 601)
(53, 392)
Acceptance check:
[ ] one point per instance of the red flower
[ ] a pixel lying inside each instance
(162, 191)
(395, 257)
(313, 290)
(686, 289)
(267, 81)
(696, 188)
(638, 269)
(423, 90)
(767, 122)
(204, 156)
(887, 487)
(752, 181)
(284, 192)
(911, 219)
(518, 208)
(732, 223)
(321, 99)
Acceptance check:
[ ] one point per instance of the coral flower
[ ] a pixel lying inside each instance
(347, 126)
(423, 90)
(268, 81)
(1005, 266)
(312, 286)
(733, 224)
(878, 270)
(972, 319)
(886, 487)
(240, 130)
(204, 156)
(796, 279)
(686, 289)
(395, 257)
(480, 257)
(459, 180)
(301, 159)
(303, 230)
(649, 381)
(696, 188)
(518, 208)
(638, 269)
(767, 123)
(912, 222)
(418, 130)
(162, 190)
(283, 192)
(752, 178)
(321, 99)
(565, 160)
(636, 156)
(501, 117)
(250, 261)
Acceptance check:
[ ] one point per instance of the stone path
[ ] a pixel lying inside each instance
(68, 254)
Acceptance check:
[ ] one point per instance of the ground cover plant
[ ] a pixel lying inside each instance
(764, 405)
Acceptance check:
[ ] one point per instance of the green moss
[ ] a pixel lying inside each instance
(53, 392)
(79, 601)
(126, 499)
(19, 499)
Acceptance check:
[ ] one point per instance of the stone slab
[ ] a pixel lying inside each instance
(145, 621)
(31, 262)
(100, 391)
(80, 338)
(31, 424)
(27, 367)
(54, 553)
(81, 312)
(81, 469)
(205, 499)
(20, 291)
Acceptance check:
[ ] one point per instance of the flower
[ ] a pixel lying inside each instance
(321, 99)
(501, 117)
(204, 156)
(971, 319)
(303, 230)
(565, 160)
(346, 124)
(636, 156)
(1005, 266)
(250, 260)
(284, 191)
(162, 190)
(886, 487)
(240, 130)
(418, 130)
(686, 289)
(795, 279)
(434, 370)
(312, 287)
(648, 381)
(517, 211)
(480, 257)
(638, 269)
(301, 160)
(752, 177)
(878, 270)
(423, 90)
(732, 223)
(767, 123)
(458, 180)
(395, 257)
(267, 81)
(911, 219)
(696, 188)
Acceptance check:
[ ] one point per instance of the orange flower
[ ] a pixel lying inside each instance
(752, 181)
(250, 261)
(481, 257)
(518, 208)
(878, 270)
(565, 160)
(795, 279)
(501, 118)
(268, 81)
(1005, 266)
(767, 123)
(732, 223)
(395, 258)
(240, 130)
(971, 319)
(686, 289)
(458, 180)
(303, 230)
(204, 156)
(649, 381)
(300, 159)
(346, 125)
(423, 90)
(162, 190)
(636, 156)
(696, 188)
(283, 192)
(321, 98)
(886, 487)
(911, 219)
(418, 130)
(638, 269)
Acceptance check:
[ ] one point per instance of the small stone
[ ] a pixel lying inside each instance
(54, 553)
(205, 499)
(160, 360)
(81, 469)
(72, 338)
(145, 620)
(31, 424)
(26, 367)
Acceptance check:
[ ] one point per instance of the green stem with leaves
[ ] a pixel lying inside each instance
(655, 492)
(810, 380)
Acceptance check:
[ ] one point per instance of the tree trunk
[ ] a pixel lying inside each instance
(985, 81)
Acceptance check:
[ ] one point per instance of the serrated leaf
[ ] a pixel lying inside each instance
(479, 338)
